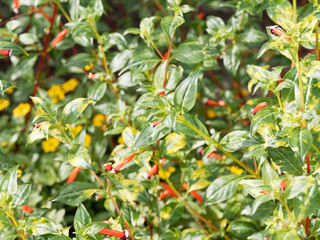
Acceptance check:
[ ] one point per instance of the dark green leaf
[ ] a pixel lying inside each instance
(15, 49)
(81, 218)
(40, 226)
(237, 140)
(300, 141)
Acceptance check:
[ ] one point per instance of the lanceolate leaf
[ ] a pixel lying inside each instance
(81, 218)
(73, 109)
(9, 183)
(169, 24)
(75, 193)
(186, 93)
(237, 140)
(80, 158)
(300, 141)
(189, 53)
(286, 159)
(16, 49)
(41, 226)
(222, 189)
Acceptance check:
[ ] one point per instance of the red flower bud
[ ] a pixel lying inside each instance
(162, 93)
(5, 52)
(113, 233)
(155, 168)
(107, 167)
(38, 125)
(201, 15)
(279, 32)
(194, 193)
(27, 208)
(259, 107)
(124, 162)
(59, 37)
(164, 194)
(280, 80)
(283, 185)
(153, 124)
(73, 174)
(166, 55)
(167, 187)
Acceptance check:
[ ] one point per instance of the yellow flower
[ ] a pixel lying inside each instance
(168, 172)
(120, 140)
(198, 95)
(87, 140)
(200, 163)
(19, 173)
(88, 67)
(70, 85)
(56, 93)
(3, 144)
(75, 130)
(236, 170)
(9, 90)
(50, 145)
(4, 104)
(211, 113)
(21, 110)
(99, 119)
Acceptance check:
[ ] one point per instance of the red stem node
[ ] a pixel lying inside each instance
(73, 175)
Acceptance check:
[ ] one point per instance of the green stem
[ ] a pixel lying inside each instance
(155, 47)
(304, 123)
(206, 137)
(294, 3)
(279, 100)
(63, 11)
(241, 21)
(315, 148)
(317, 41)
(291, 217)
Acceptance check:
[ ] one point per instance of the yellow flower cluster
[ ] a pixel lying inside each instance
(99, 119)
(168, 172)
(9, 90)
(211, 113)
(236, 170)
(4, 104)
(87, 140)
(88, 68)
(50, 145)
(21, 110)
(57, 92)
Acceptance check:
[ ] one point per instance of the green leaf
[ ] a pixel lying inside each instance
(253, 35)
(15, 49)
(242, 229)
(298, 185)
(280, 11)
(269, 175)
(142, 61)
(132, 190)
(80, 158)
(189, 53)
(171, 213)
(60, 238)
(4, 86)
(82, 34)
(263, 122)
(81, 218)
(36, 134)
(22, 194)
(232, 58)
(222, 189)
(160, 76)
(186, 93)
(97, 91)
(237, 140)
(193, 120)
(40, 226)
(284, 234)
(44, 108)
(9, 183)
(73, 109)
(260, 200)
(74, 193)
(8, 231)
(307, 202)
(169, 24)
(93, 228)
(300, 141)
(286, 159)
(150, 135)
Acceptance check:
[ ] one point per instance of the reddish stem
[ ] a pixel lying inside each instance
(215, 79)
(307, 225)
(308, 164)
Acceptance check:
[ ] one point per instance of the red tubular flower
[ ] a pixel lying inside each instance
(155, 168)
(219, 103)
(167, 187)
(162, 93)
(164, 194)
(166, 55)
(59, 37)
(283, 185)
(259, 107)
(153, 124)
(280, 80)
(264, 192)
(124, 162)
(279, 32)
(193, 193)
(113, 233)
(16, 6)
(5, 52)
(27, 208)
(212, 155)
(73, 174)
